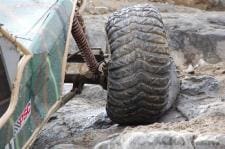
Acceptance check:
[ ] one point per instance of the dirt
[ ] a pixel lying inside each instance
(210, 125)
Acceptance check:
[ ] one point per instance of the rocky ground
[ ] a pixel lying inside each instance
(196, 121)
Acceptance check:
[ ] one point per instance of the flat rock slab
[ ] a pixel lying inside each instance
(199, 95)
(163, 140)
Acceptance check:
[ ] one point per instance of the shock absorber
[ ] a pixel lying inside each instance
(82, 43)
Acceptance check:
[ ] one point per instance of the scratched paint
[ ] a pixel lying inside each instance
(42, 27)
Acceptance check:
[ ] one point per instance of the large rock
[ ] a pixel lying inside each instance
(147, 140)
(153, 139)
(198, 95)
(195, 36)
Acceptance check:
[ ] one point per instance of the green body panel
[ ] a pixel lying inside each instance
(40, 86)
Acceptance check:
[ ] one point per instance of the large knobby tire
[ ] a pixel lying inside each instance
(141, 71)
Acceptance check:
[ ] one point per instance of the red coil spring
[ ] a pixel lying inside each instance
(82, 43)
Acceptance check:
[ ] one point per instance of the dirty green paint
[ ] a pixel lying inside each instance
(41, 81)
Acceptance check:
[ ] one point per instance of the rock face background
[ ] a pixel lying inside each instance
(105, 6)
(196, 121)
(201, 4)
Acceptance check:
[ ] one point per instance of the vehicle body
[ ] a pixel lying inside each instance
(33, 52)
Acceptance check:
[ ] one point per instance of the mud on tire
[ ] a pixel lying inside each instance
(140, 67)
